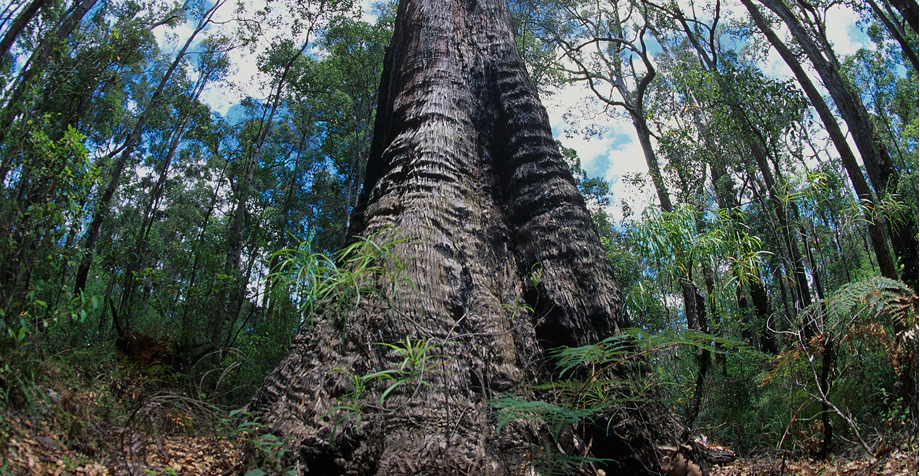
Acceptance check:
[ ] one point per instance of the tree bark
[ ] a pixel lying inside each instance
(910, 10)
(22, 19)
(464, 165)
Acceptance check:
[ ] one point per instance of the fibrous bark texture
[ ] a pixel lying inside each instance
(464, 166)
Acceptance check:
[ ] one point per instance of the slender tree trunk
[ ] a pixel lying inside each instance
(136, 255)
(876, 233)
(232, 296)
(269, 298)
(464, 165)
(23, 19)
(651, 160)
(828, 357)
(910, 10)
(102, 206)
(695, 306)
(897, 33)
(33, 68)
(785, 229)
(238, 228)
(724, 187)
(880, 168)
(756, 149)
(878, 162)
(199, 245)
(43, 55)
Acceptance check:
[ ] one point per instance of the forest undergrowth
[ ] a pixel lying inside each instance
(139, 426)
(99, 411)
(139, 423)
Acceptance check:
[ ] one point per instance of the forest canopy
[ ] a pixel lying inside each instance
(178, 184)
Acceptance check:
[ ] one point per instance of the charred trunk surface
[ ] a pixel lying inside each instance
(464, 165)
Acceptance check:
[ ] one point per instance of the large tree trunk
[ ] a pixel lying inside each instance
(463, 163)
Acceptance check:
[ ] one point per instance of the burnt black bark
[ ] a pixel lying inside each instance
(464, 165)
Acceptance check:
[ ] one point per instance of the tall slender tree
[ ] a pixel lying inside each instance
(882, 174)
(18, 24)
(125, 151)
(876, 233)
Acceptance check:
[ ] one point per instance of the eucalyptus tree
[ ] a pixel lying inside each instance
(166, 136)
(17, 97)
(606, 43)
(352, 72)
(732, 84)
(772, 138)
(806, 25)
(53, 37)
(876, 233)
(44, 156)
(607, 46)
(895, 23)
(289, 29)
(465, 195)
(125, 150)
(909, 10)
(292, 212)
(318, 149)
(890, 94)
(25, 12)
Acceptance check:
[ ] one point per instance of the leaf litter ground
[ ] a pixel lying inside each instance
(899, 462)
(34, 450)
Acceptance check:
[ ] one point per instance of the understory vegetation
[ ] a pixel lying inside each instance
(176, 181)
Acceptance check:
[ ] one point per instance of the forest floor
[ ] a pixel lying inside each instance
(34, 448)
(899, 462)
(130, 426)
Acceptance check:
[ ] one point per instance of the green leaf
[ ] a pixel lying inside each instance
(388, 390)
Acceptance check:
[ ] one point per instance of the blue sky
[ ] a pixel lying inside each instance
(617, 152)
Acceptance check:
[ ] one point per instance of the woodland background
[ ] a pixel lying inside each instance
(158, 254)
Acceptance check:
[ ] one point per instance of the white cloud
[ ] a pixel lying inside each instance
(220, 97)
(628, 159)
(610, 156)
(171, 39)
(843, 33)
